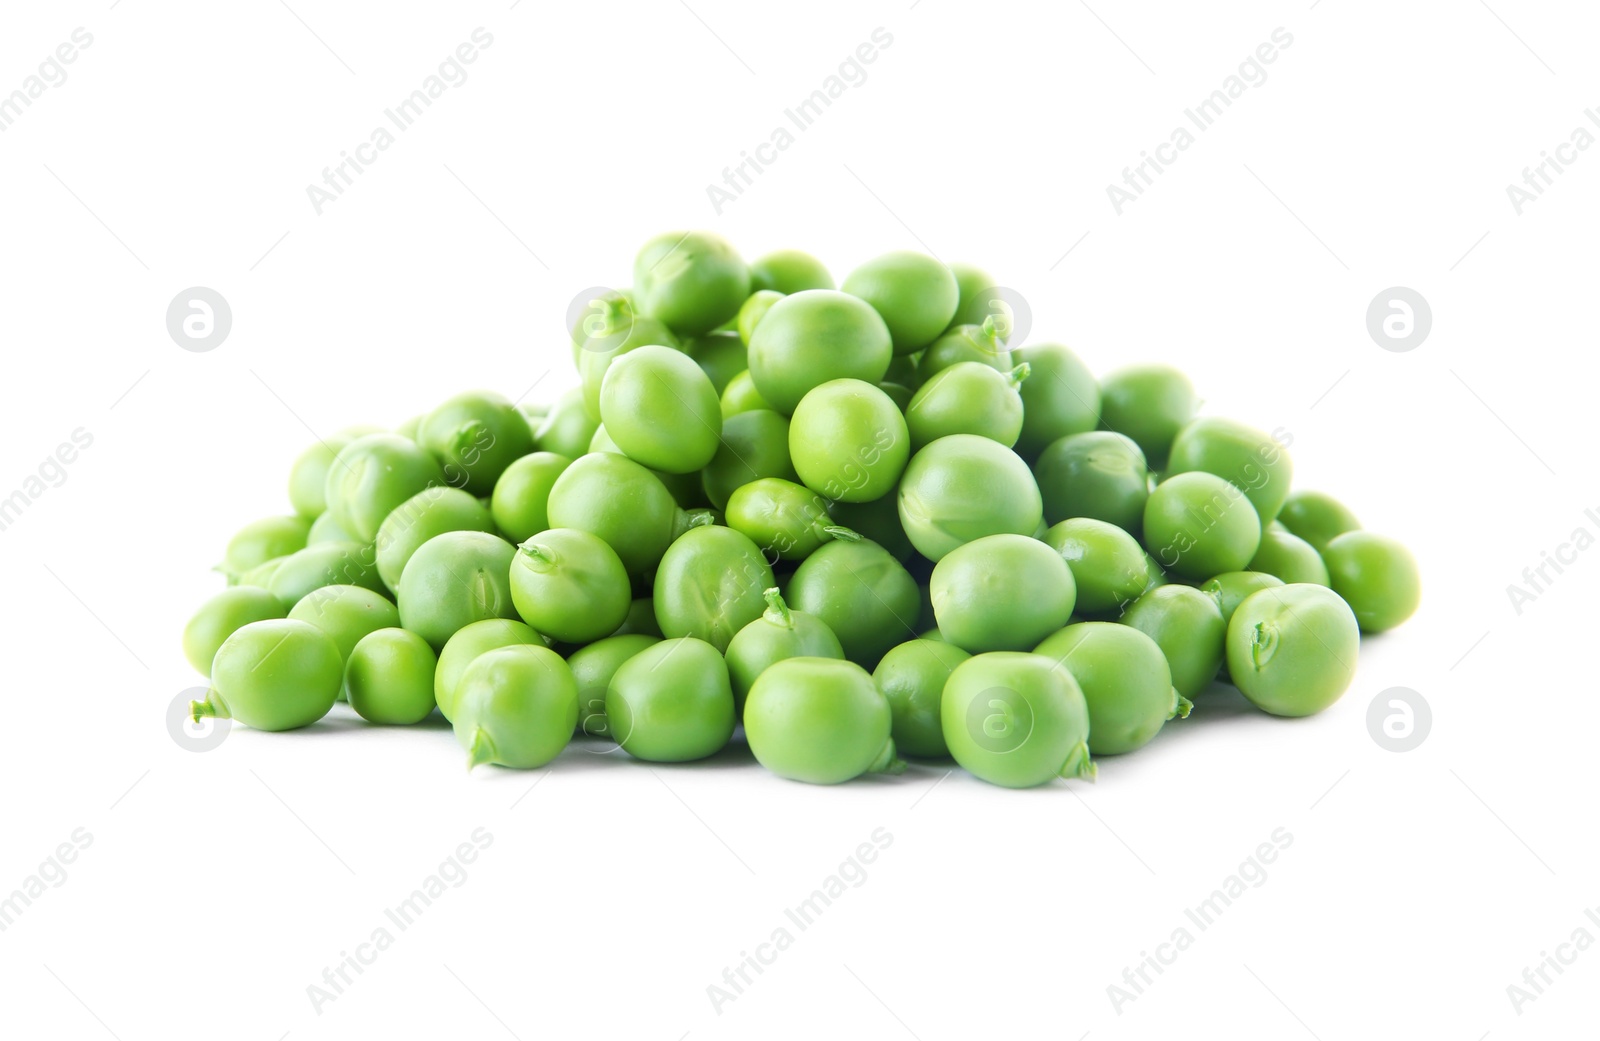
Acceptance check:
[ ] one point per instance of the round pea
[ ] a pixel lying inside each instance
(371, 476)
(1108, 565)
(346, 614)
(1198, 525)
(388, 677)
(661, 410)
(778, 634)
(980, 343)
(261, 541)
(967, 398)
(1060, 397)
(693, 281)
(710, 585)
(787, 521)
(740, 395)
(1100, 475)
(1291, 559)
(754, 445)
(570, 585)
(820, 721)
(912, 677)
(432, 511)
(641, 619)
(462, 649)
(964, 487)
(1001, 593)
(915, 294)
(1150, 404)
(593, 667)
(814, 336)
(518, 706)
(860, 592)
(753, 310)
(325, 564)
(1231, 587)
(1125, 681)
(1252, 461)
(222, 616)
(453, 580)
(1292, 651)
(671, 702)
(721, 356)
(1376, 576)
(520, 505)
(1188, 627)
(622, 502)
(308, 477)
(1316, 517)
(276, 674)
(848, 440)
(789, 271)
(475, 436)
(1015, 719)
(878, 520)
(325, 529)
(615, 329)
(977, 297)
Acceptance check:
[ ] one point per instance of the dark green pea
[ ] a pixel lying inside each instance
(641, 619)
(979, 343)
(1108, 565)
(693, 281)
(1231, 587)
(671, 702)
(1198, 525)
(860, 592)
(755, 444)
(912, 676)
(968, 398)
(1288, 558)
(453, 580)
(222, 616)
(1150, 404)
(1252, 461)
(900, 395)
(1292, 651)
(903, 371)
(1187, 625)
(788, 521)
(430, 512)
(721, 356)
(1059, 398)
(778, 634)
(1125, 681)
(1376, 576)
(569, 427)
(878, 520)
(1316, 517)
(710, 585)
(593, 668)
(520, 505)
(1001, 593)
(1099, 474)
(475, 436)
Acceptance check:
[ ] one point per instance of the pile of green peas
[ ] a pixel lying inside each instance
(851, 518)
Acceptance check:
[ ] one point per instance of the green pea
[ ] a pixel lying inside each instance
(276, 674)
(520, 504)
(848, 441)
(261, 541)
(641, 619)
(671, 702)
(570, 585)
(900, 395)
(1016, 720)
(789, 271)
(308, 477)
(754, 445)
(1376, 576)
(1108, 565)
(820, 721)
(475, 436)
(1125, 681)
(740, 395)
(388, 677)
(1231, 587)
(1100, 475)
(1001, 593)
(879, 521)
(346, 614)
(593, 667)
(964, 487)
(374, 474)
(260, 576)
(912, 677)
(721, 356)
(814, 336)
(1292, 651)
(778, 634)
(453, 580)
(1059, 399)
(710, 585)
(462, 649)
(570, 426)
(1252, 461)
(915, 294)
(1198, 525)
(1291, 559)
(693, 281)
(325, 564)
(1187, 625)
(325, 529)
(1150, 404)
(1316, 517)
(661, 410)
(222, 616)
(430, 512)
(622, 502)
(518, 706)
(978, 299)
(861, 593)
(980, 343)
(787, 521)
(755, 309)
(968, 398)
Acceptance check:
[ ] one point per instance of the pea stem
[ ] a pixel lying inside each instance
(842, 533)
(777, 611)
(1020, 373)
(1181, 705)
(481, 750)
(888, 761)
(540, 556)
(1079, 764)
(212, 707)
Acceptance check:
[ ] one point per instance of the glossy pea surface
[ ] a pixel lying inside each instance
(754, 444)
(1060, 397)
(1016, 720)
(388, 677)
(1288, 558)
(789, 271)
(964, 487)
(569, 585)
(779, 633)
(1292, 651)
(693, 281)
(453, 580)
(814, 336)
(1100, 475)
(710, 585)
(671, 702)
(1150, 404)
(346, 614)
(1251, 460)
(474, 437)
(1108, 565)
(915, 293)
(520, 504)
(371, 476)
(1187, 625)
(593, 667)
(223, 615)
(1198, 525)
(661, 410)
(848, 441)
(1376, 576)
(820, 721)
(967, 398)
(1316, 517)
(430, 512)
(517, 707)
(1125, 682)
(620, 501)
(862, 593)
(466, 645)
(912, 677)
(1001, 593)
(278, 674)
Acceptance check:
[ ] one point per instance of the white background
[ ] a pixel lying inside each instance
(1376, 153)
